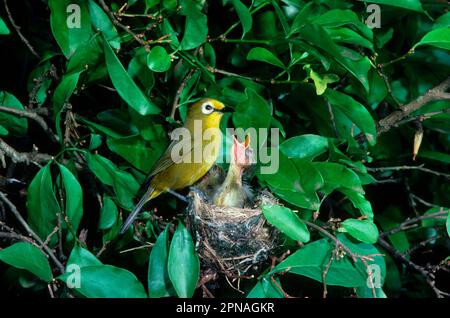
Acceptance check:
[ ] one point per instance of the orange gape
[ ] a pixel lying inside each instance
(173, 174)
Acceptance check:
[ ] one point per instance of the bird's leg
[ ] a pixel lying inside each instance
(177, 195)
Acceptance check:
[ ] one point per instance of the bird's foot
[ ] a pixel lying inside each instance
(178, 196)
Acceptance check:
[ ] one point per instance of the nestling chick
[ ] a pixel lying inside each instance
(234, 192)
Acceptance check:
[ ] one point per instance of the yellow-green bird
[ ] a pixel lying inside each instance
(186, 160)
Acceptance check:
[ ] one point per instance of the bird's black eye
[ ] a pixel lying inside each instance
(208, 107)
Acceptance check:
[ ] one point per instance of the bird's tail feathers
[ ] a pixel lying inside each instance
(145, 198)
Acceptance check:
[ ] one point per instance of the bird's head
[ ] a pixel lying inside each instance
(241, 153)
(208, 110)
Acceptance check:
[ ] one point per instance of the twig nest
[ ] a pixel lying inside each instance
(229, 240)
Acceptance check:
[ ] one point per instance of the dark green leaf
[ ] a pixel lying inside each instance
(107, 281)
(244, 16)
(413, 5)
(3, 28)
(26, 256)
(438, 37)
(73, 198)
(12, 123)
(355, 111)
(159, 284)
(183, 263)
(101, 22)
(70, 23)
(196, 28)
(108, 214)
(125, 86)
(304, 146)
(287, 222)
(363, 230)
(264, 55)
(42, 205)
(158, 60)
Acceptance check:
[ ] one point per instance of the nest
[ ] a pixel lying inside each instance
(232, 241)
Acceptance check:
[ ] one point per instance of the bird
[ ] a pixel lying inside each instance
(179, 166)
(234, 192)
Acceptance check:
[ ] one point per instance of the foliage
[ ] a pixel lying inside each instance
(103, 89)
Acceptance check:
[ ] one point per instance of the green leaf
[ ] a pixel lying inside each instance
(125, 86)
(337, 18)
(413, 5)
(64, 90)
(336, 176)
(287, 222)
(196, 27)
(108, 214)
(183, 263)
(265, 288)
(138, 69)
(363, 230)
(26, 256)
(312, 259)
(124, 184)
(244, 113)
(42, 204)
(358, 65)
(244, 16)
(158, 60)
(101, 22)
(438, 37)
(305, 146)
(14, 124)
(3, 28)
(359, 201)
(447, 224)
(264, 55)
(442, 22)
(159, 284)
(81, 257)
(135, 150)
(321, 82)
(107, 281)
(73, 198)
(355, 111)
(434, 155)
(70, 24)
(436, 221)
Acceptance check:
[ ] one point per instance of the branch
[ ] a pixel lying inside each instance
(25, 157)
(178, 93)
(353, 256)
(36, 237)
(31, 115)
(433, 94)
(420, 168)
(429, 277)
(408, 224)
(17, 28)
(123, 27)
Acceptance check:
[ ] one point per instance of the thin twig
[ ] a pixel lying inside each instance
(24, 157)
(176, 100)
(30, 231)
(31, 115)
(17, 28)
(408, 224)
(122, 26)
(420, 168)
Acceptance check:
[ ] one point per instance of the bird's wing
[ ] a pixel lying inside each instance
(166, 160)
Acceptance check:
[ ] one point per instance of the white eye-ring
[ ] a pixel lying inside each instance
(207, 108)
